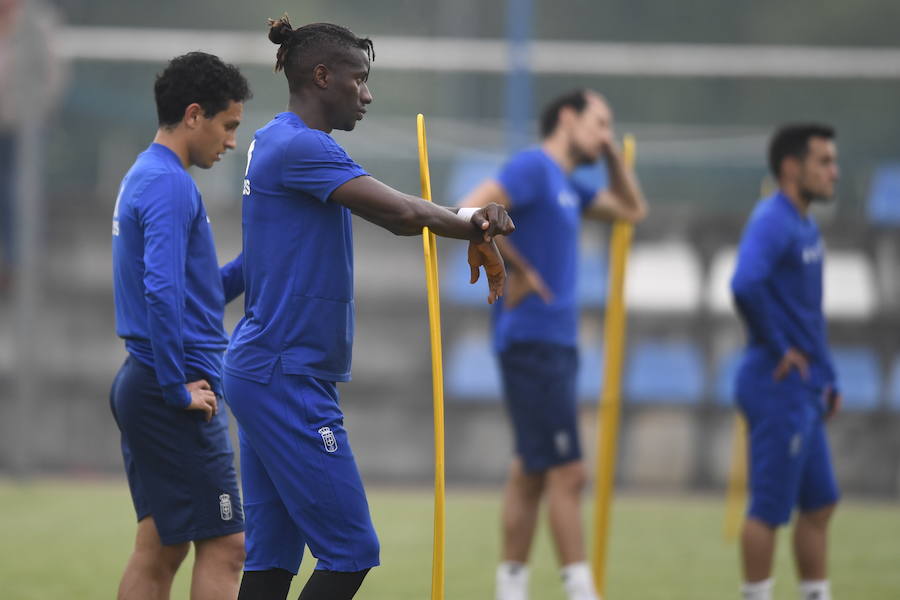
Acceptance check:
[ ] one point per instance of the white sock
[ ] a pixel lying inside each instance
(578, 582)
(760, 590)
(815, 590)
(512, 581)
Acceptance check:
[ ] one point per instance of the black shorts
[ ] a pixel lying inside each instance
(180, 467)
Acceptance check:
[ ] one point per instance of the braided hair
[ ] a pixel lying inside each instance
(317, 41)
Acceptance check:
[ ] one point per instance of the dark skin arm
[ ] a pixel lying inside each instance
(402, 214)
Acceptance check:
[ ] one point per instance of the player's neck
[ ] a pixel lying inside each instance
(792, 193)
(558, 149)
(174, 141)
(310, 112)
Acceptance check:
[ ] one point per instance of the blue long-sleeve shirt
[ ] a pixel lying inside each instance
(777, 287)
(170, 294)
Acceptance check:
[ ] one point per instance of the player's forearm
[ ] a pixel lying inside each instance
(399, 213)
(625, 189)
(168, 348)
(753, 305)
(233, 278)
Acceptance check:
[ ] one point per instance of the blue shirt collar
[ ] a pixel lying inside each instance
(165, 153)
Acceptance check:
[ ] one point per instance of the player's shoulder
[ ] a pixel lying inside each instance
(770, 215)
(529, 158)
(306, 143)
(299, 140)
(147, 179)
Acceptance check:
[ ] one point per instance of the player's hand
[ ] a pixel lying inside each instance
(202, 398)
(792, 359)
(610, 147)
(521, 283)
(492, 220)
(833, 402)
(485, 254)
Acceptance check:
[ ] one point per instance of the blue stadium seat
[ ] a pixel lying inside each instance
(590, 374)
(593, 275)
(726, 373)
(893, 385)
(859, 375)
(471, 372)
(454, 278)
(469, 171)
(883, 203)
(664, 373)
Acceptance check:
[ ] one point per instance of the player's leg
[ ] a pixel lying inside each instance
(274, 544)
(519, 513)
(295, 429)
(776, 417)
(180, 466)
(565, 485)
(332, 585)
(326, 494)
(218, 563)
(818, 500)
(152, 566)
(521, 500)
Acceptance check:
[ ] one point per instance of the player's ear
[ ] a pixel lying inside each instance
(192, 115)
(790, 166)
(321, 76)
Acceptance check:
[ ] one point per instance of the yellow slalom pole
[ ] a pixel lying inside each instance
(611, 397)
(736, 494)
(437, 375)
(736, 497)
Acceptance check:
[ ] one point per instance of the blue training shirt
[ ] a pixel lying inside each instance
(298, 256)
(169, 292)
(777, 287)
(546, 205)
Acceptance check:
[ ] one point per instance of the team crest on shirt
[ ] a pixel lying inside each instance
(225, 507)
(567, 198)
(328, 439)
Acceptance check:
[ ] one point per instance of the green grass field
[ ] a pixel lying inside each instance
(71, 540)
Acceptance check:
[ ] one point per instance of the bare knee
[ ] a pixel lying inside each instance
(226, 552)
(161, 562)
(529, 485)
(570, 477)
(157, 560)
(818, 518)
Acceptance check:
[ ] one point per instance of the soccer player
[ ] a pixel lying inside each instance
(535, 326)
(786, 385)
(300, 480)
(170, 299)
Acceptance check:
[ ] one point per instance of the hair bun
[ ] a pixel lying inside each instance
(280, 30)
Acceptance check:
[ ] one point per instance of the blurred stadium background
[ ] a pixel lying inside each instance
(700, 83)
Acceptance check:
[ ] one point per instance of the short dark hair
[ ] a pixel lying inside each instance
(792, 139)
(197, 77)
(576, 99)
(302, 48)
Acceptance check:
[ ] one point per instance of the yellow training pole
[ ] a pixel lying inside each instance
(736, 497)
(437, 375)
(611, 398)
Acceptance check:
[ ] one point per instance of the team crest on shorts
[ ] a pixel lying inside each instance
(328, 439)
(225, 507)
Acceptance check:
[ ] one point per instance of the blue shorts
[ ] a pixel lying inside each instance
(180, 467)
(300, 480)
(790, 463)
(539, 384)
